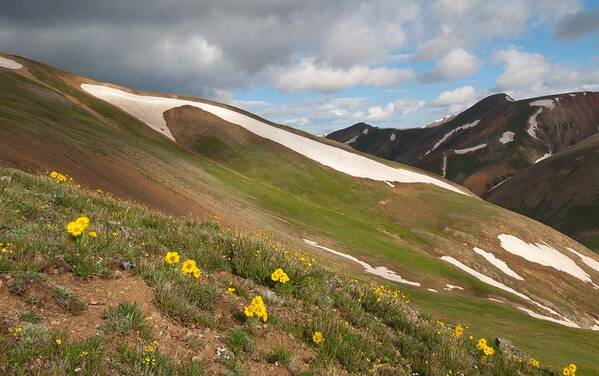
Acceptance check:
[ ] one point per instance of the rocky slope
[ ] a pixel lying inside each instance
(499, 139)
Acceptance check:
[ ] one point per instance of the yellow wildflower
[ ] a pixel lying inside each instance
(188, 266)
(534, 363)
(57, 176)
(481, 344)
(58, 341)
(171, 257)
(256, 308)
(230, 290)
(317, 338)
(197, 273)
(489, 351)
(78, 226)
(92, 234)
(279, 276)
(570, 370)
(458, 331)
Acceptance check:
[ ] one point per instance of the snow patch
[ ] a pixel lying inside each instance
(432, 290)
(533, 124)
(547, 155)
(380, 271)
(365, 131)
(499, 264)
(590, 262)
(498, 184)
(390, 184)
(150, 110)
(392, 137)
(490, 281)
(447, 135)
(506, 137)
(10, 64)
(352, 140)
(496, 300)
(543, 254)
(468, 150)
(508, 98)
(546, 103)
(450, 287)
(562, 321)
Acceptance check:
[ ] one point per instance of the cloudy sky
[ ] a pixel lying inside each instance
(319, 65)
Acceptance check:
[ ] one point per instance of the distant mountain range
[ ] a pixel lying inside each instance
(535, 156)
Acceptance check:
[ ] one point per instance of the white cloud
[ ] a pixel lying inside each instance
(307, 74)
(529, 74)
(456, 63)
(296, 121)
(457, 99)
(449, 24)
(379, 113)
(522, 69)
(404, 106)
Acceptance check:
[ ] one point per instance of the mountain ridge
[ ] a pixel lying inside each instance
(509, 138)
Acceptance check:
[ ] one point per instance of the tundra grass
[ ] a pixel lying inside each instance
(367, 328)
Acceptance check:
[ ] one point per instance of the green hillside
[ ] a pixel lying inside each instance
(167, 322)
(218, 169)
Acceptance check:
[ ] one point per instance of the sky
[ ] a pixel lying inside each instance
(319, 65)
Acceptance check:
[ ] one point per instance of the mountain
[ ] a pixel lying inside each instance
(458, 257)
(499, 139)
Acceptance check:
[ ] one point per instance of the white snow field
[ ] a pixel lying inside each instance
(450, 287)
(547, 103)
(532, 121)
(532, 124)
(591, 263)
(543, 254)
(545, 156)
(563, 321)
(8, 63)
(380, 271)
(499, 264)
(506, 137)
(490, 281)
(447, 135)
(150, 109)
(468, 150)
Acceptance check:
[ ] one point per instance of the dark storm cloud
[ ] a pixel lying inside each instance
(578, 24)
(198, 47)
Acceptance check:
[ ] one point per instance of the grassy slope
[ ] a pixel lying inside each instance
(312, 203)
(366, 327)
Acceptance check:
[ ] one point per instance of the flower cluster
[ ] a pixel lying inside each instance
(78, 226)
(7, 247)
(256, 308)
(149, 353)
(16, 331)
(189, 267)
(317, 338)
(458, 331)
(57, 176)
(279, 276)
(570, 370)
(534, 363)
(486, 349)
